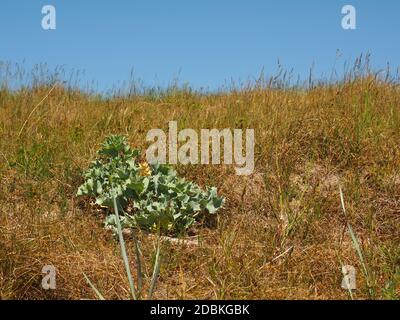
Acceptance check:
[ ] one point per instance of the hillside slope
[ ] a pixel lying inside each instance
(282, 232)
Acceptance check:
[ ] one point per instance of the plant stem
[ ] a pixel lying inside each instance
(123, 251)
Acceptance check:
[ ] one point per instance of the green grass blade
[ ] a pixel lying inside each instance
(139, 267)
(156, 271)
(97, 292)
(356, 245)
(123, 251)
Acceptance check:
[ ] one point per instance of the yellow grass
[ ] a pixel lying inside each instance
(282, 233)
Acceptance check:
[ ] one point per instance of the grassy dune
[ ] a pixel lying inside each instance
(282, 233)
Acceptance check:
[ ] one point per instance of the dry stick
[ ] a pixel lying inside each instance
(34, 109)
(282, 254)
(4, 156)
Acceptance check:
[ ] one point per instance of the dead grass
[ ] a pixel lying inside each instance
(281, 234)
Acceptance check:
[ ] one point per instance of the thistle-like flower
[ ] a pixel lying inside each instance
(145, 170)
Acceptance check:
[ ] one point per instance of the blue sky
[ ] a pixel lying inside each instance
(205, 43)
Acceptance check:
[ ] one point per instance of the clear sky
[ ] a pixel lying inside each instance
(203, 42)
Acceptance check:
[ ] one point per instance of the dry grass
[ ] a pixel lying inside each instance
(281, 233)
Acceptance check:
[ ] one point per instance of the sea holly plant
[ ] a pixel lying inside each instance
(150, 196)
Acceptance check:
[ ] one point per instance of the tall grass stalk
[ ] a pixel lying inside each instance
(136, 295)
(357, 247)
(123, 251)
(156, 271)
(97, 292)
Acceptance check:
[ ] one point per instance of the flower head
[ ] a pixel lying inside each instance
(145, 170)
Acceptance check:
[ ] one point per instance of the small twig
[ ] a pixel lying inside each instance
(4, 156)
(192, 241)
(282, 254)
